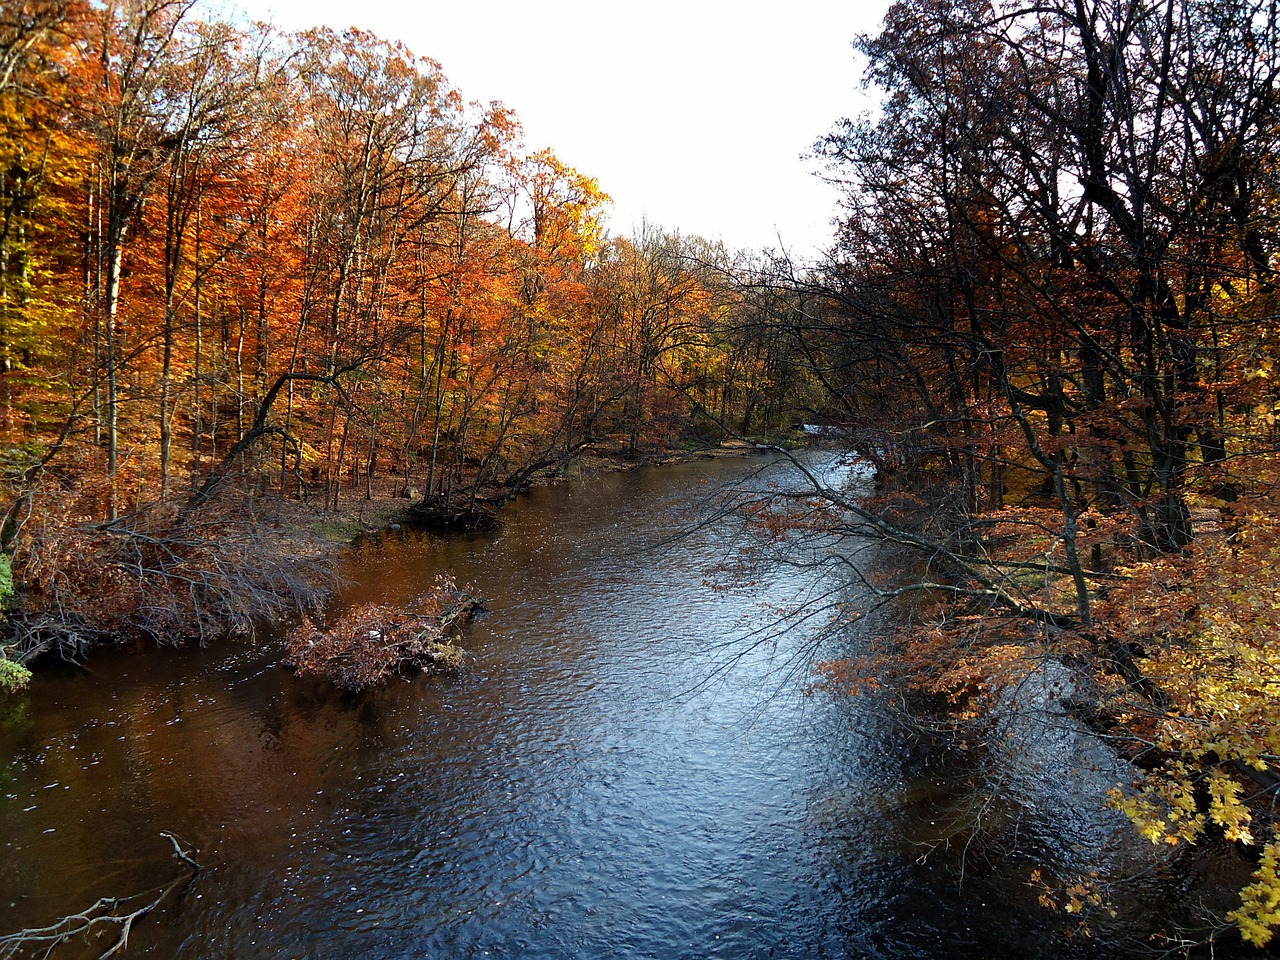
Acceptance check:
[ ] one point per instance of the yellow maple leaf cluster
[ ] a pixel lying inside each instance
(1209, 648)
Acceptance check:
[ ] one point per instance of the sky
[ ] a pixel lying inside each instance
(693, 115)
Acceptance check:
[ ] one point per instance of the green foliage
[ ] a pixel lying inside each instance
(6, 579)
(13, 676)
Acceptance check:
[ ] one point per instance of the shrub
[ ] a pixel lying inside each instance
(368, 644)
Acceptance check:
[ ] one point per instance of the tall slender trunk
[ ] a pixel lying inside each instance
(239, 361)
(198, 372)
(336, 486)
(93, 295)
(115, 260)
(166, 413)
(372, 459)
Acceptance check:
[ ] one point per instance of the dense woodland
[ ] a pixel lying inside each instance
(239, 269)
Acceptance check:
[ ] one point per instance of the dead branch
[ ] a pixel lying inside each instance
(118, 914)
(367, 645)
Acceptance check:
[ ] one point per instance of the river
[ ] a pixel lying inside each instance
(629, 765)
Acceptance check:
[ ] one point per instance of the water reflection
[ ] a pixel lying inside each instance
(593, 781)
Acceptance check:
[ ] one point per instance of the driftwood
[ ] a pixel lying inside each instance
(446, 514)
(110, 914)
(370, 643)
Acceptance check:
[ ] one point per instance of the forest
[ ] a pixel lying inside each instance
(240, 268)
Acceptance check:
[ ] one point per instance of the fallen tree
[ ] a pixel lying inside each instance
(370, 643)
(162, 572)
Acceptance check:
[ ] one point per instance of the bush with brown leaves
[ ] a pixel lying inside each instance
(370, 643)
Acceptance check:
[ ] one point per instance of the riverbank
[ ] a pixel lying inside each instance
(596, 776)
(169, 574)
(308, 529)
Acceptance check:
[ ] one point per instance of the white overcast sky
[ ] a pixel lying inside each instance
(694, 114)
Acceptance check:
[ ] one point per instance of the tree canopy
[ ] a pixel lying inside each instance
(1049, 321)
(241, 264)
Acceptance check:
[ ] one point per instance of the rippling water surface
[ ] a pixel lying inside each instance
(623, 769)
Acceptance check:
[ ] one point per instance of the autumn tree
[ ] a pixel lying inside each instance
(27, 31)
(123, 65)
(237, 266)
(1048, 323)
(225, 84)
(656, 287)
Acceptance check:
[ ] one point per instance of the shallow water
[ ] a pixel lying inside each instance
(629, 763)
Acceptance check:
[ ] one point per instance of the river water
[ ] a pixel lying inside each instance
(630, 765)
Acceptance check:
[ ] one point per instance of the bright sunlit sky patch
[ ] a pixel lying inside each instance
(694, 115)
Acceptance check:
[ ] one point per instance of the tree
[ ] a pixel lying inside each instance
(138, 129)
(222, 85)
(279, 264)
(1045, 323)
(26, 28)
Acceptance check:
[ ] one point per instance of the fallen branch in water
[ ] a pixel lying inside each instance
(117, 912)
(369, 643)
